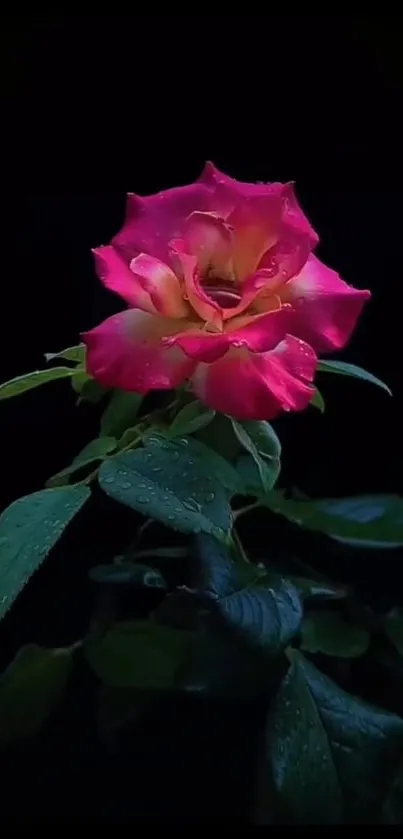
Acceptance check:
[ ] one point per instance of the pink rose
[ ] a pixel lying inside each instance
(224, 290)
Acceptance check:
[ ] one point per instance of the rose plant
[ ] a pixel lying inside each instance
(228, 310)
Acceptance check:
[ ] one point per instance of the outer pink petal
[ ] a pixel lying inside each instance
(326, 309)
(152, 221)
(126, 351)
(116, 275)
(259, 386)
(161, 285)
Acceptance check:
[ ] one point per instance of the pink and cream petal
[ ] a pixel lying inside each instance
(201, 303)
(256, 222)
(116, 275)
(258, 386)
(210, 240)
(126, 351)
(325, 308)
(161, 284)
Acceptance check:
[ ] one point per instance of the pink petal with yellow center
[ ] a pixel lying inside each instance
(161, 285)
(256, 222)
(325, 308)
(257, 333)
(201, 303)
(251, 386)
(210, 240)
(117, 276)
(126, 351)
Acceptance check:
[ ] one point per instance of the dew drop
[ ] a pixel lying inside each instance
(126, 485)
(109, 480)
(193, 505)
(143, 499)
(171, 518)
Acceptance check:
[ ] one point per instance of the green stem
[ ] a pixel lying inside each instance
(243, 510)
(238, 547)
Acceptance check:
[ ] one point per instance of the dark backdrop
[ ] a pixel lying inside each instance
(95, 107)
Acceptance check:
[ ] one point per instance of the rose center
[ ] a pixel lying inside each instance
(225, 297)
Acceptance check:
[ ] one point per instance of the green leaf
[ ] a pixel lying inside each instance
(317, 589)
(127, 573)
(219, 435)
(30, 689)
(91, 453)
(393, 623)
(191, 418)
(332, 757)
(138, 654)
(368, 521)
(266, 610)
(318, 401)
(327, 632)
(76, 354)
(31, 380)
(29, 529)
(249, 475)
(172, 483)
(218, 467)
(344, 369)
(89, 389)
(262, 443)
(131, 435)
(120, 413)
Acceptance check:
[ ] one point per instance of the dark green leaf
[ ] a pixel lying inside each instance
(30, 689)
(332, 757)
(88, 388)
(369, 521)
(344, 369)
(94, 451)
(327, 632)
(31, 380)
(171, 483)
(318, 590)
(249, 475)
(120, 413)
(131, 435)
(29, 529)
(219, 435)
(318, 401)
(218, 467)
(262, 443)
(138, 654)
(394, 628)
(76, 354)
(264, 609)
(192, 417)
(128, 573)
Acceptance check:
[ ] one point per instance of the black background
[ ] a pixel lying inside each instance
(94, 107)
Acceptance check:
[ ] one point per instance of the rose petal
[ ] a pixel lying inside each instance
(326, 309)
(252, 386)
(152, 221)
(203, 305)
(209, 239)
(116, 275)
(256, 222)
(126, 351)
(161, 285)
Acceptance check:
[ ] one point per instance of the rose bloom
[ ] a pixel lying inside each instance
(223, 290)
